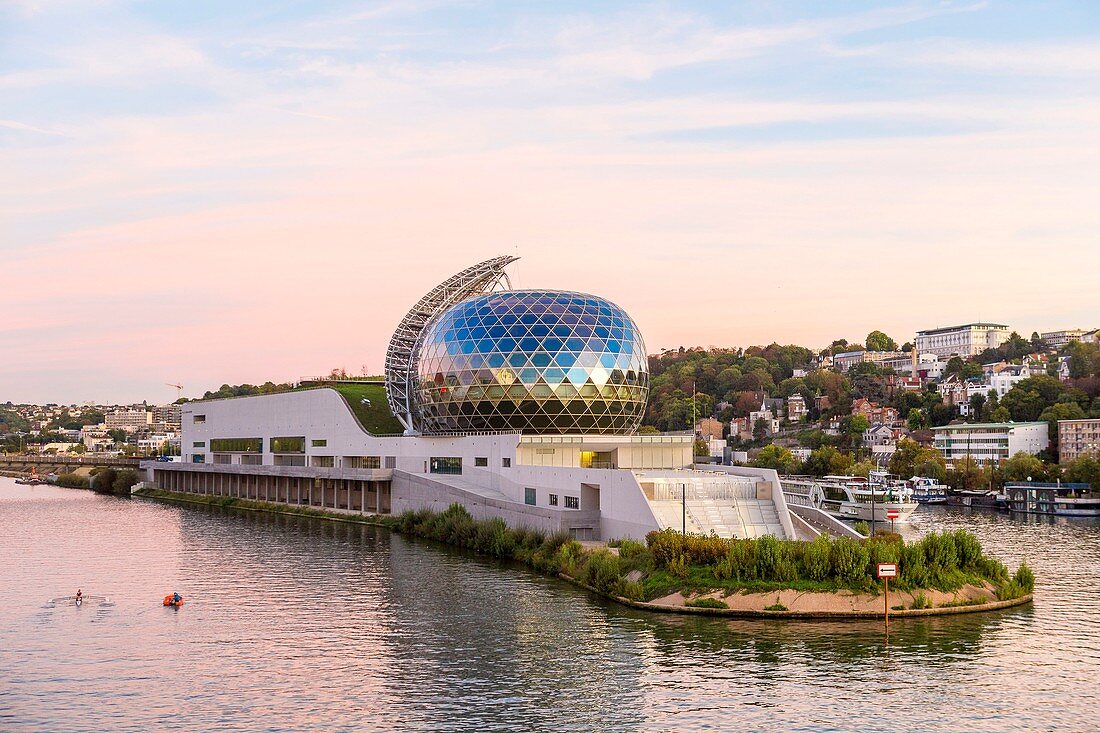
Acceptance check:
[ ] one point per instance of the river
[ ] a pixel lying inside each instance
(294, 624)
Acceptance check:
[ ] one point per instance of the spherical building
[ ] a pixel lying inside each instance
(539, 361)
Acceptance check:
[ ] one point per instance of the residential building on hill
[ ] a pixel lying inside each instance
(874, 413)
(983, 443)
(1058, 339)
(967, 340)
(1077, 438)
(846, 360)
(796, 408)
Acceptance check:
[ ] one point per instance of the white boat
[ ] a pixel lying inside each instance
(853, 497)
(928, 490)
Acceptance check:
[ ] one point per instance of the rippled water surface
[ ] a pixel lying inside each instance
(304, 625)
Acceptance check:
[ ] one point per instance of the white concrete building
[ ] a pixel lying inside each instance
(1058, 339)
(967, 340)
(983, 443)
(308, 447)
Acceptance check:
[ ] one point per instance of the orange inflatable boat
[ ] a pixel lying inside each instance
(169, 602)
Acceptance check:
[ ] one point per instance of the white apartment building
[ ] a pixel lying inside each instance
(1058, 339)
(128, 420)
(984, 443)
(967, 340)
(846, 360)
(1077, 438)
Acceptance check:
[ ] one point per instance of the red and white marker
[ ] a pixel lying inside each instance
(892, 514)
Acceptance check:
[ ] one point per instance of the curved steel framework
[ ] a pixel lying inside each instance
(401, 377)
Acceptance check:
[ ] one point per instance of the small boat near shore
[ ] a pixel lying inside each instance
(928, 490)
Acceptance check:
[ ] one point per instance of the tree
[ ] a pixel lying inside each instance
(878, 341)
(857, 425)
(760, 429)
(1029, 397)
(915, 418)
(1061, 411)
(1024, 466)
(777, 457)
(912, 459)
(827, 461)
(977, 402)
(701, 448)
(104, 480)
(1086, 470)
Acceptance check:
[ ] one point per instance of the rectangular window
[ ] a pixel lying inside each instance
(481, 462)
(288, 444)
(446, 465)
(572, 502)
(362, 462)
(198, 458)
(199, 444)
(553, 500)
(318, 443)
(506, 462)
(290, 460)
(322, 461)
(529, 496)
(198, 419)
(237, 445)
(223, 459)
(252, 460)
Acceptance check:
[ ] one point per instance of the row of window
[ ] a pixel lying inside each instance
(453, 465)
(282, 444)
(530, 497)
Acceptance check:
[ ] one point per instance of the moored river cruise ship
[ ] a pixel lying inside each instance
(853, 498)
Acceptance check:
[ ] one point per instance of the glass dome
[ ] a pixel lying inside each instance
(539, 361)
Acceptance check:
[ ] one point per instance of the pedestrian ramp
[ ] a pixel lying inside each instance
(721, 505)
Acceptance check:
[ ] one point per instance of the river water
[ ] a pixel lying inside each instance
(294, 624)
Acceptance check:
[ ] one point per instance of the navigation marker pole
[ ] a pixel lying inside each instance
(886, 570)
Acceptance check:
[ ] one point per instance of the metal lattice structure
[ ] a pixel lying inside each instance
(538, 361)
(483, 277)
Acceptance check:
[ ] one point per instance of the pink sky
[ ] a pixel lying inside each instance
(282, 227)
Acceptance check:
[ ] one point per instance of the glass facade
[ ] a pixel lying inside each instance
(532, 360)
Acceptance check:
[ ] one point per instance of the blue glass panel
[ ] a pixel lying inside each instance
(484, 346)
(506, 345)
(540, 359)
(517, 359)
(529, 344)
(565, 359)
(495, 361)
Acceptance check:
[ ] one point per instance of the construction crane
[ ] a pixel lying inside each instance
(179, 389)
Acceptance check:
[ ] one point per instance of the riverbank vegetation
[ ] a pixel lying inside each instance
(669, 562)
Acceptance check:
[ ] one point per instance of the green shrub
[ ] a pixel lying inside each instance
(849, 559)
(967, 549)
(631, 549)
(863, 528)
(601, 571)
(939, 551)
(124, 481)
(72, 481)
(706, 603)
(920, 600)
(777, 606)
(632, 590)
(1024, 578)
(103, 480)
(815, 558)
(1009, 591)
(770, 554)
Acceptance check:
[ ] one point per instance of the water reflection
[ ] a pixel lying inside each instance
(298, 624)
